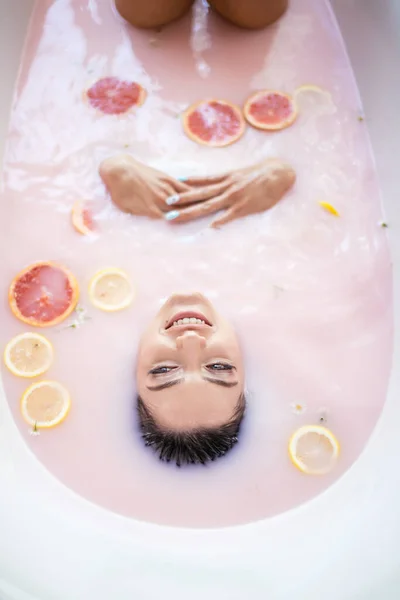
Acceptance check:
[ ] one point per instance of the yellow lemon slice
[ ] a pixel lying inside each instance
(28, 355)
(111, 290)
(314, 449)
(311, 100)
(329, 208)
(45, 404)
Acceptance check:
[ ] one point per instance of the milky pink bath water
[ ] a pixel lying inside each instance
(309, 293)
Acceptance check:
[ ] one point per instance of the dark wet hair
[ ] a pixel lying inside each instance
(197, 446)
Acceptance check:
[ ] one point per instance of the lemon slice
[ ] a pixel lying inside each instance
(28, 355)
(45, 404)
(329, 208)
(111, 290)
(311, 100)
(314, 449)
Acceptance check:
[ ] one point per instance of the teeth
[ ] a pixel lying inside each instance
(188, 321)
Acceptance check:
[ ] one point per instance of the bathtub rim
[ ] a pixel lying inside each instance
(274, 538)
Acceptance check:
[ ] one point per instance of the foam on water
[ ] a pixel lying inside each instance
(310, 294)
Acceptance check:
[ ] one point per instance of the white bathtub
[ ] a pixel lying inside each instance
(343, 545)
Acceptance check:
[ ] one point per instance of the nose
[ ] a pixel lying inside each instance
(190, 340)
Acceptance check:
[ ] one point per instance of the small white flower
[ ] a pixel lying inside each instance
(81, 318)
(298, 408)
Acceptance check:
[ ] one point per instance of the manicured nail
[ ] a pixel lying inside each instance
(182, 178)
(172, 199)
(172, 214)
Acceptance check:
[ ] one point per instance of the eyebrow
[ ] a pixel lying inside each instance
(168, 384)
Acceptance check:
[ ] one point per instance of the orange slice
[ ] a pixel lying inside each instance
(270, 110)
(113, 96)
(111, 290)
(45, 404)
(28, 355)
(82, 218)
(214, 123)
(43, 294)
(314, 449)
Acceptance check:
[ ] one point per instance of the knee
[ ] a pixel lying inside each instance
(152, 13)
(250, 14)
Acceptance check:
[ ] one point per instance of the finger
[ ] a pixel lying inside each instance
(197, 211)
(180, 186)
(205, 180)
(196, 195)
(226, 217)
(165, 191)
(177, 185)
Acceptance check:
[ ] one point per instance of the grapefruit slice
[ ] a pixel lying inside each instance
(214, 123)
(314, 449)
(43, 294)
(111, 290)
(82, 218)
(113, 96)
(45, 404)
(270, 110)
(28, 355)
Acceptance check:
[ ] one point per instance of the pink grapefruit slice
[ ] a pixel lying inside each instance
(214, 123)
(82, 218)
(270, 110)
(113, 96)
(43, 294)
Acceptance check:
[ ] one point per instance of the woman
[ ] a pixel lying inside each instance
(190, 381)
(252, 14)
(141, 190)
(190, 374)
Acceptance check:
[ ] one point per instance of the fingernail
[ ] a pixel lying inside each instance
(172, 199)
(182, 178)
(172, 214)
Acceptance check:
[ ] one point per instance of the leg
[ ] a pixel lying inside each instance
(251, 14)
(152, 13)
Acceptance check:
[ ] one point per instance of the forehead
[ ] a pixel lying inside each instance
(192, 404)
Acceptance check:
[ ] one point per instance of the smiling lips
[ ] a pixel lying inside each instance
(188, 320)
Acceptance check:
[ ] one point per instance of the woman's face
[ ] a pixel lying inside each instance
(190, 368)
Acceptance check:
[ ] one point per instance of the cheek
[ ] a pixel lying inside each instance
(230, 341)
(144, 356)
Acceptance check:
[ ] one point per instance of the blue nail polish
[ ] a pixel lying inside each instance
(182, 178)
(172, 199)
(172, 214)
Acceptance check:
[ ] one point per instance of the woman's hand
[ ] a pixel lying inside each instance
(138, 189)
(240, 193)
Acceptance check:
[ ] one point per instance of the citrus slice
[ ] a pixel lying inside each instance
(45, 404)
(270, 110)
(111, 290)
(329, 208)
(43, 294)
(82, 218)
(28, 355)
(113, 96)
(214, 123)
(311, 100)
(313, 449)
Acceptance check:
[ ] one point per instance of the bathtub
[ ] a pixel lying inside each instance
(342, 545)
